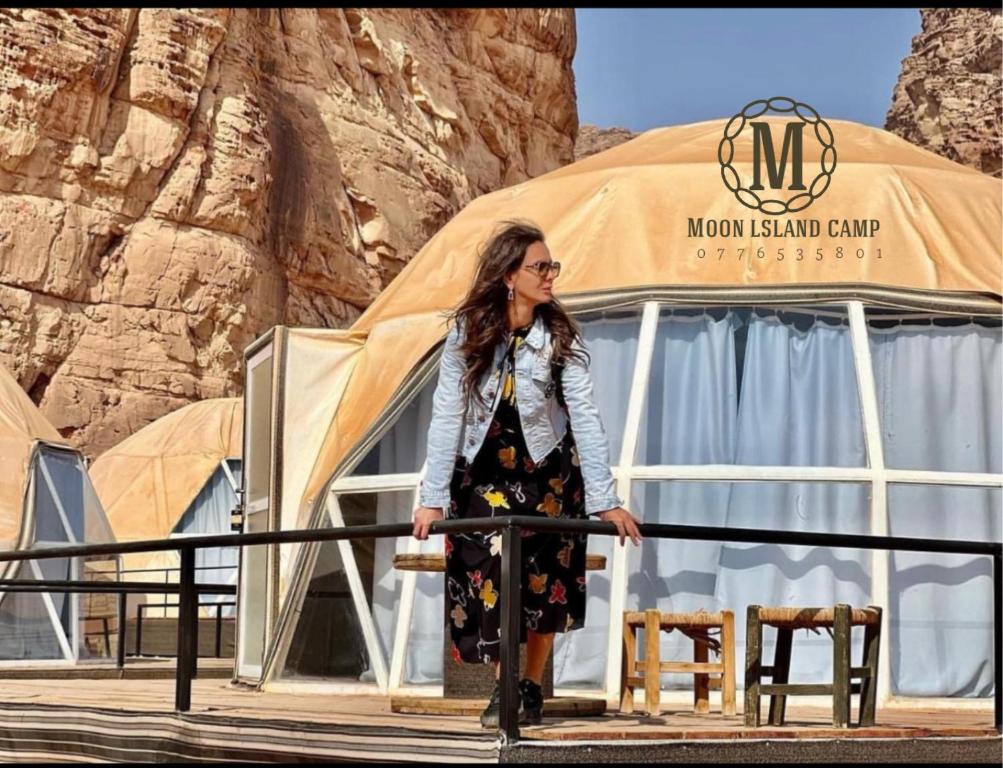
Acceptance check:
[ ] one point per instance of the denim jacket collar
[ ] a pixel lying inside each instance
(537, 334)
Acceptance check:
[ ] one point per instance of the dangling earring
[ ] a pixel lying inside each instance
(510, 294)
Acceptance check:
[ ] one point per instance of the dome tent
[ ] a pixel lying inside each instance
(46, 499)
(177, 476)
(736, 376)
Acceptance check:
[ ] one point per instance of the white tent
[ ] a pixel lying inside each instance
(177, 476)
(858, 388)
(46, 500)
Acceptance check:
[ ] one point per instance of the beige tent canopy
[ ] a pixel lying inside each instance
(618, 223)
(147, 481)
(641, 229)
(46, 499)
(175, 473)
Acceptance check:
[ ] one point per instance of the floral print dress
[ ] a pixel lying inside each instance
(503, 480)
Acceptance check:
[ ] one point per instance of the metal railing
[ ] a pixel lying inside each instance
(511, 528)
(167, 570)
(144, 608)
(219, 606)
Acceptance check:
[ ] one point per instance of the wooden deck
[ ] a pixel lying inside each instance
(44, 719)
(134, 669)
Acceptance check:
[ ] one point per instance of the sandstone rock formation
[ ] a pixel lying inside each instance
(592, 139)
(175, 182)
(949, 97)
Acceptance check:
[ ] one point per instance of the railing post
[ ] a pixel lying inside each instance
(120, 651)
(219, 630)
(998, 641)
(508, 722)
(187, 616)
(139, 630)
(195, 631)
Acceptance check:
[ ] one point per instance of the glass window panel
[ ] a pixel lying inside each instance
(940, 394)
(259, 437)
(59, 569)
(49, 526)
(799, 403)
(689, 411)
(328, 641)
(253, 590)
(611, 339)
(580, 656)
(679, 576)
(941, 603)
(402, 448)
(752, 386)
(67, 475)
(99, 611)
(236, 469)
(423, 656)
(26, 628)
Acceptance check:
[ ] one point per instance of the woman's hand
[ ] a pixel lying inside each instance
(423, 519)
(626, 524)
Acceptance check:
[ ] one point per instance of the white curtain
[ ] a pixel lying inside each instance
(744, 389)
(209, 513)
(580, 656)
(940, 399)
(689, 417)
(798, 406)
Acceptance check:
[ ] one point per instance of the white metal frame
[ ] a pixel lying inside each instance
(875, 473)
(252, 508)
(358, 591)
(405, 608)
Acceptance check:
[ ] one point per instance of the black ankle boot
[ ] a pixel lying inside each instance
(531, 696)
(490, 717)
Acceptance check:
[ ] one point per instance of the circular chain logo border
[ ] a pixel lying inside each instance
(746, 196)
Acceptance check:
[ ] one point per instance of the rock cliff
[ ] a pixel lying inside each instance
(175, 182)
(949, 97)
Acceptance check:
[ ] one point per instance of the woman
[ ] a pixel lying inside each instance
(502, 442)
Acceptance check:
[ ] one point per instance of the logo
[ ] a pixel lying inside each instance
(784, 190)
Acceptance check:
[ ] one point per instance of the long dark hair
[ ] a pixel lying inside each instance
(484, 309)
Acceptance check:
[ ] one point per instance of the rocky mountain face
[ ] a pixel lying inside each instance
(592, 139)
(175, 182)
(949, 97)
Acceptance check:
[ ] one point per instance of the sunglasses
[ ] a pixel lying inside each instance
(542, 268)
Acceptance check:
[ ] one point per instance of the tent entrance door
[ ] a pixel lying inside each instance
(256, 562)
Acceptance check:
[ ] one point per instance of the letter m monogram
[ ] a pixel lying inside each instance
(762, 144)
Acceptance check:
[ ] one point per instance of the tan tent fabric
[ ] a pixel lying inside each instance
(21, 425)
(391, 350)
(319, 364)
(148, 480)
(618, 220)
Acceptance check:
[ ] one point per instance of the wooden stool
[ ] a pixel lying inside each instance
(840, 619)
(695, 625)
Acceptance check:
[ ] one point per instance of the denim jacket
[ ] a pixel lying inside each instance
(460, 427)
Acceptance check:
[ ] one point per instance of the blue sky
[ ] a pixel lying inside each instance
(645, 68)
